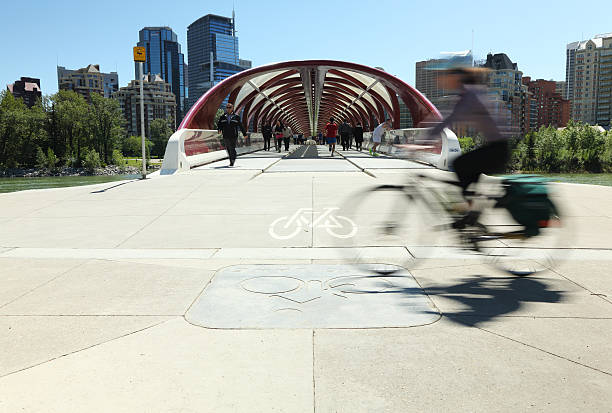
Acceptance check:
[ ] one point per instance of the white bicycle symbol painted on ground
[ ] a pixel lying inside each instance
(288, 227)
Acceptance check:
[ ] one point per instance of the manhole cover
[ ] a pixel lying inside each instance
(310, 296)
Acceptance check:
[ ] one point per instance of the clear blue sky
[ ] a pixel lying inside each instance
(36, 35)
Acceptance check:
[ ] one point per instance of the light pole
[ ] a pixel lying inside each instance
(140, 57)
(142, 125)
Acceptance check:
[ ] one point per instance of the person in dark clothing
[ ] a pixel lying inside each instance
(266, 131)
(358, 134)
(474, 107)
(278, 135)
(228, 125)
(345, 134)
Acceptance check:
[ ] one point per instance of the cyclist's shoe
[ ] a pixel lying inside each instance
(467, 220)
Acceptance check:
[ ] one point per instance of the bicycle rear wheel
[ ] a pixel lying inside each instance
(390, 220)
(522, 256)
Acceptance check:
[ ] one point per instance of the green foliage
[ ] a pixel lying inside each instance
(577, 148)
(92, 160)
(118, 159)
(52, 160)
(160, 131)
(132, 146)
(218, 115)
(466, 143)
(63, 122)
(41, 158)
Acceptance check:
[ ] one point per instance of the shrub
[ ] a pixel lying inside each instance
(41, 158)
(467, 144)
(52, 160)
(118, 159)
(92, 160)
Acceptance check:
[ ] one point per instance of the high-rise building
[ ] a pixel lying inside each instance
(506, 86)
(212, 47)
(159, 103)
(27, 88)
(427, 77)
(561, 88)
(588, 76)
(551, 108)
(164, 58)
(88, 80)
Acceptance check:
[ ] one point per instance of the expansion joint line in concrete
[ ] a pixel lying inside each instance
(83, 349)
(364, 170)
(45, 283)
(546, 351)
(314, 383)
(601, 296)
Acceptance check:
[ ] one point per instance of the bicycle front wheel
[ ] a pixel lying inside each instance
(390, 221)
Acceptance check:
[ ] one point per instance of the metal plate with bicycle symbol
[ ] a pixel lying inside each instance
(311, 296)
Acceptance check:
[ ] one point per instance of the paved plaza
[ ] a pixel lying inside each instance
(186, 293)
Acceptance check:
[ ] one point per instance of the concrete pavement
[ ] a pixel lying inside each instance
(105, 302)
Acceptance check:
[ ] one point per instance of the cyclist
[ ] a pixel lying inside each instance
(473, 108)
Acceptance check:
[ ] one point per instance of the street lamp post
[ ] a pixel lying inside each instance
(142, 125)
(141, 57)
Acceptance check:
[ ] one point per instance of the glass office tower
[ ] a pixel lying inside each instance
(212, 47)
(164, 58)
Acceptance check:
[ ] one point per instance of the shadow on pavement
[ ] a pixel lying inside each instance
(482, 298)
(485, 298)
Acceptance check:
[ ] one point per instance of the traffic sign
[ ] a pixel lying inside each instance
(140, 54)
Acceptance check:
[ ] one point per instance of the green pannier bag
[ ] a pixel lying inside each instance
(527, 200)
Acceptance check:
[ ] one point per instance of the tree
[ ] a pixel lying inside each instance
(13, 128)
(160, 132)
(68, 114)
(218, 115)
(132, 146)
(106, 125)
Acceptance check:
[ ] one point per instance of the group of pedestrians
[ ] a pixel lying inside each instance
(280, 133)
(348, 132)
(230, 124)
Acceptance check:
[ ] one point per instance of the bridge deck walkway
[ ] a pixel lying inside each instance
(101, 309)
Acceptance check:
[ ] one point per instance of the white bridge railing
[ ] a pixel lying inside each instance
(442, 153)
(188, 148)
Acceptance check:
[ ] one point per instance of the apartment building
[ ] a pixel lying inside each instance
(589, 79)
(159, 103)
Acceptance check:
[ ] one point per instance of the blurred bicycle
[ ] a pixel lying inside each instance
(515, 225)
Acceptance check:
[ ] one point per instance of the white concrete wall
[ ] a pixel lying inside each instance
(203, 146)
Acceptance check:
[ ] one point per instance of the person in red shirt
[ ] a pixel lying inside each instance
(331, 130)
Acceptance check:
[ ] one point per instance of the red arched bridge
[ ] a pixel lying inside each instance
(304, 95)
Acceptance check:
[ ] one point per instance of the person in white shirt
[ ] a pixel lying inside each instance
(377, 135)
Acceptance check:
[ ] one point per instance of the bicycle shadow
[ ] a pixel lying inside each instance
(483, 298)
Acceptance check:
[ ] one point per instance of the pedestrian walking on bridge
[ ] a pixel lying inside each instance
(345, 134)
(228, 125)
(331, 131)
(278, 135)
(266, 131)
(358, 134)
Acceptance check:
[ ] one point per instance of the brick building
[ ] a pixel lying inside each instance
(26, 88)
(551, 108)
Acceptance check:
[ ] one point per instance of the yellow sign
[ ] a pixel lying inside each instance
(140, 54)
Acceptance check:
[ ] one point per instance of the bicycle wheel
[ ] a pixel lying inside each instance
(390, 220)
(509, 250)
